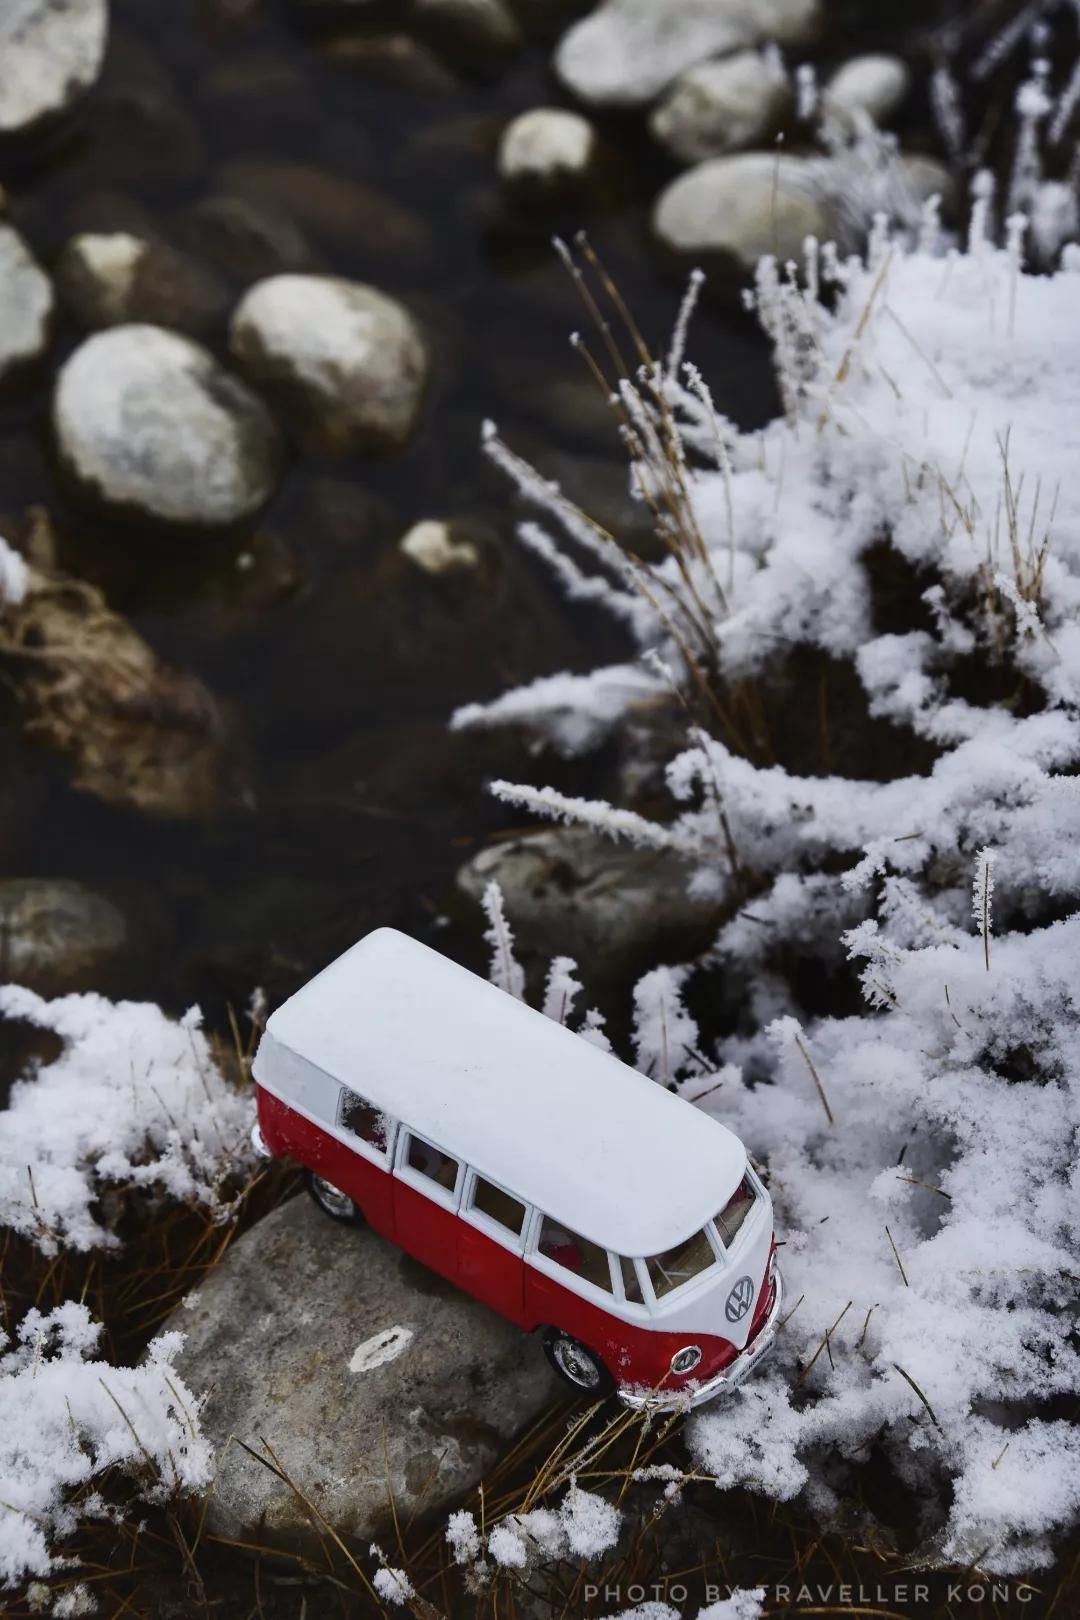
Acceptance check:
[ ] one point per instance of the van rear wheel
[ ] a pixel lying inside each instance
(576, 1364)
(331, 1200)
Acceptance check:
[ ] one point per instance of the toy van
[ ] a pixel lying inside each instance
(540, 1174)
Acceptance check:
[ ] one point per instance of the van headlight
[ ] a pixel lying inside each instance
(686, 1359)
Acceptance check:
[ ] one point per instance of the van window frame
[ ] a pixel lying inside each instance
(416, 1179)
(383, 1157)
(658, 1303)
(515, 1241)
(760, 1195)
(563, 1275)
(642, 1305)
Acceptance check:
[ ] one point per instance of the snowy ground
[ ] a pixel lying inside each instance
(923, 1156)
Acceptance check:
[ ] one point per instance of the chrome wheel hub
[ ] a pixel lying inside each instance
(577, 1364)
(332, 1199)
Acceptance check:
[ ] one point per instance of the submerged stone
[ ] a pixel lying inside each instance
(51, 51)
(26, 304)
(348, 361)
(148, 421)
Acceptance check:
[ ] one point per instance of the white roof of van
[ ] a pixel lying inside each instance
(605, 1150)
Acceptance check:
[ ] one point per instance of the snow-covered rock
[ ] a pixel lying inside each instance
(147, 420)
(741, 207)
(26, 303)
(108, 280)
(720, 106)
(628, 51)
(57, 935)
(349, 361)
(546, 149)
(874, 84)
(368, 1374)
(51, 51)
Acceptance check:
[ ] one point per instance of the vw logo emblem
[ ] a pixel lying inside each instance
(738, 1301)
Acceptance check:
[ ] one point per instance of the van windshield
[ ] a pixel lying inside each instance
(680, 1265)
(730, 1220)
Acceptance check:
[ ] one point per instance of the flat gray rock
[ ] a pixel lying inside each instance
(56, 935)
(365, 1372)
(570, 889)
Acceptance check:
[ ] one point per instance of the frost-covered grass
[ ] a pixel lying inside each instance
(124, 1161)
(68, 1418)
(135, 1100)
(908, 532)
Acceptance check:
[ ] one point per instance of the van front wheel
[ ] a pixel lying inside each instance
(576, 1364)
(331, 1200)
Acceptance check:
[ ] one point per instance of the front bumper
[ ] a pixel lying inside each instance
(691, 1395)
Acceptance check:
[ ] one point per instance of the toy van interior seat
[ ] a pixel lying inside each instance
(544, 1176)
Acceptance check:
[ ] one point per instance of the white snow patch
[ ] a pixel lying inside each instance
(381, 1348)
(133, 1099)
(67, 1418)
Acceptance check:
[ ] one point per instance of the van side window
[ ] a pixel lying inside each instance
(498, 1206)
(631, 1286)
(356, 1114)
(735, 1211)
(577, 1254)
(679, 1265)
(432, 1162)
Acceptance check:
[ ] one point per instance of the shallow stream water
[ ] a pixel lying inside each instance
(339, 669)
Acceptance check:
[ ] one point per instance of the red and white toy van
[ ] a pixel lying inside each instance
(562, 1188)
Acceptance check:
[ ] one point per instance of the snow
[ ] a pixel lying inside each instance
(67, 1418)
(394, 1586)
(381, 1348)
(575, 712)
(744, 1603)
(583, 1525)
(495, 1083)
(135, 1099)
(922, 1155)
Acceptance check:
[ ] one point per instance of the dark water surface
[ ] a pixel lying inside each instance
(339, 662)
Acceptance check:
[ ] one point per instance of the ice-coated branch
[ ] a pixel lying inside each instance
(594, 813)
(505, 971)
(982, 897)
